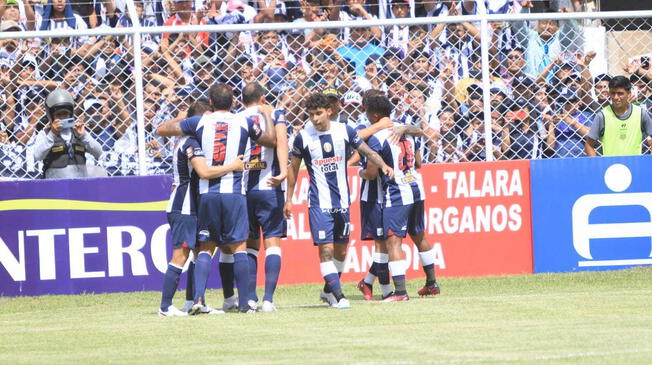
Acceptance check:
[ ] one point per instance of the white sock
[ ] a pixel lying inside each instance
(339, 265)
(274, 250)
(427, 257)
(397, 268)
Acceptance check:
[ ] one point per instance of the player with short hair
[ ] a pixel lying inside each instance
(188, 165)
(222, 215)
(324, 146)
(264, 180)
(403, 207)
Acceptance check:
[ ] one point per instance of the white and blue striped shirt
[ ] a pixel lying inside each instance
(407, 186)
(223, 136)
(183, 199)
(325, 155)
(263, 162)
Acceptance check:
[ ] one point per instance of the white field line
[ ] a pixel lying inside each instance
(508, 359)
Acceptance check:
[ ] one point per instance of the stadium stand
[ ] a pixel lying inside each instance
(547, 77)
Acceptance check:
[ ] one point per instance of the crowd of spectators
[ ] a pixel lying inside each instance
(543, 95)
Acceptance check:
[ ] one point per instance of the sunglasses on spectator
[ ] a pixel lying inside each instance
(513, 57)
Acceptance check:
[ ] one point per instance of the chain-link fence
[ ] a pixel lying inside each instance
(546, 79)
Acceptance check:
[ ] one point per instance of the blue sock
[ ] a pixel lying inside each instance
(241, 273)
(170, 283)
(383, 273)
(272, 270)
(374, 268)
(190, 282)
(226, 273)
(202, 269)
(252, 255)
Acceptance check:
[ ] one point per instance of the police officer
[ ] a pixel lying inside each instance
(63, 144)
(620, 126)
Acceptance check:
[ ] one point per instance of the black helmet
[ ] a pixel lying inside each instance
(59, 99)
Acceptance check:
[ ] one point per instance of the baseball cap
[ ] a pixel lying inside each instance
(567, 94)
(602, 77)
(150, 47)
(91, 103)
(574, 75)
(10, 26)
(29, 59)
(352, 97)
(201, 62)
(331, 91)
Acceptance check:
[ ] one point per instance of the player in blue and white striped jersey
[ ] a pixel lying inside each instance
(222, 214)
(265, 183)
(188, 166)
(403, 200)
(324, 146)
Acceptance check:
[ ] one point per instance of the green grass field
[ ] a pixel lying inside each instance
(579, 318)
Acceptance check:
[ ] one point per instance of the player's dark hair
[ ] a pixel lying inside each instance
(252, 92)
(199, 107)
(378, 104)
(221, 96)
(369, 93)
(620, 81)
(318, 100)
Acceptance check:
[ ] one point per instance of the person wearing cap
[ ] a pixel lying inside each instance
(514, 64)
(63, 144)
(19, 12)
(572, 124)
(621, 126)
(352, 102)
(601, 90)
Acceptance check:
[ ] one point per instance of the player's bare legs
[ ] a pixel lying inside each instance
(427, 256)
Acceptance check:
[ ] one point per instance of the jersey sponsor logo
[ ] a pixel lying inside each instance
(334, 210)
(408, 178)
(330, 164)
(256, 165)
(328, 147)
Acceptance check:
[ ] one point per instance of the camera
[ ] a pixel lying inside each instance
(645, 62)
(67, 123)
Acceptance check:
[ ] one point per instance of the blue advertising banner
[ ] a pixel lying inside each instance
(591, 213)
(84, 235)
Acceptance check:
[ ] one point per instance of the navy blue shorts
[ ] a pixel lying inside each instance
(329, 225)
(183, 228)
(265, 209)
(223, 218)
(371, 221)
(404, 219)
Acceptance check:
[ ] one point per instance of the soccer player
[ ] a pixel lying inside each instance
(324, 146)
(403, 207)
(222, 215)
(264, 180)
(188, 165)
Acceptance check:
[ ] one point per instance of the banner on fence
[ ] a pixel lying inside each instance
(592, 213)
(110, 235)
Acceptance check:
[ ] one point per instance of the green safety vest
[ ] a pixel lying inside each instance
(622, 137)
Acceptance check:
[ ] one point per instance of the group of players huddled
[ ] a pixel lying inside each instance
(230, 174)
